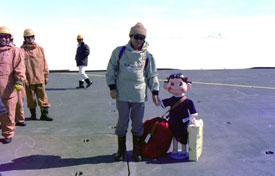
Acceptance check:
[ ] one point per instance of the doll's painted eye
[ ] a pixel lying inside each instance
(172, 84)
(180, 84)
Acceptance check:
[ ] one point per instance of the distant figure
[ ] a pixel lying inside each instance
(130, 70)
(37, 76)
(19, 113)
(12, 75)
(81, 58)
(3, 110)
(4, 114)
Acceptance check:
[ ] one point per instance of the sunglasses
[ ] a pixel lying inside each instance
(139, 37)
(28, 37)
(5, 36)
(179, 75)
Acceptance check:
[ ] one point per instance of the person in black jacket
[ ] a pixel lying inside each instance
(81, 58)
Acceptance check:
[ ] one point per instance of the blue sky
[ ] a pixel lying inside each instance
(121, 8)
(173, 26)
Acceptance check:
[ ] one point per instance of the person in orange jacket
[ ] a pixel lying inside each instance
(19, 112)
(3, 110)
(4, 114)
(37, 76)
(12, 76)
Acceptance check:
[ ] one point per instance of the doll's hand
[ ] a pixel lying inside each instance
(113, 93)
(193, 120)
(156, 100)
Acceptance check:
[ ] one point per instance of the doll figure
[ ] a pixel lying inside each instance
(180, 117)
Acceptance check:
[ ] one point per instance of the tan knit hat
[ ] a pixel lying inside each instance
(138, 29)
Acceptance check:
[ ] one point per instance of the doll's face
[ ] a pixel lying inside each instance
(177, 86)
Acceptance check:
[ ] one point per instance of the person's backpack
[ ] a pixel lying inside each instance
(147, 56)
(157, 135)
(156, 138)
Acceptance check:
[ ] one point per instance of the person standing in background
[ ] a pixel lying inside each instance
(37, 76)
(4, 114)
(12, 76)
(81, 58)
(3, 110)
(19, 112)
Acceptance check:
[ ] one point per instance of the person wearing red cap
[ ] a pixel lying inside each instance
(131, 69)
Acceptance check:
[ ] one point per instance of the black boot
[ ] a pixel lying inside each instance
(7, 140)
(81, 85)
(44, 114)
(120, 155)
(89, 83)
(33, 114)
(137, 148)
(20, 124)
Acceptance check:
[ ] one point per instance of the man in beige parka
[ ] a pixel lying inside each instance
(12, 75)
(37, 74)
(131, 69)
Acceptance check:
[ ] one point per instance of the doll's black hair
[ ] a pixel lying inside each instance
(177, 76)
